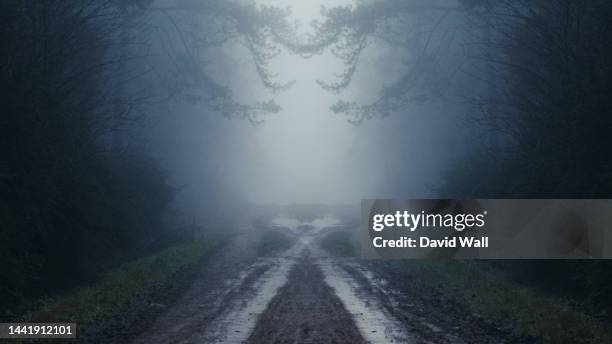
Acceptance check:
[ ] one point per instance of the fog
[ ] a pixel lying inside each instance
(306, 153)
(142, 139)
(303, 153)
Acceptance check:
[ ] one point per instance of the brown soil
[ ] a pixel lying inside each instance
(301, 305)
(306, 310)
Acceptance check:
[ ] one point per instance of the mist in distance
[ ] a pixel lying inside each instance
(306, 153)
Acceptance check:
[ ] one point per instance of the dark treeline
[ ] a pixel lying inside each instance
(72, 201)
(533, 80)
(530, 77)
(547, 104)
(548, 111)
(77, 193)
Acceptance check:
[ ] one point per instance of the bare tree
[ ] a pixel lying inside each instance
(420, 28)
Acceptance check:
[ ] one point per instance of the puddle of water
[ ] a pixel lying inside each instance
(373, 322)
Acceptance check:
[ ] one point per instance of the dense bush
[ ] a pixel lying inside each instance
(552, 70)
(549, 64)
(69, 206)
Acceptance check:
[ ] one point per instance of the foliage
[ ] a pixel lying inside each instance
(198, 27)
(535, 77)
(477, 175)
(131, 285)
(549, 76)
(525, 311)
(63, 216)
(76, 197)
(415, 27)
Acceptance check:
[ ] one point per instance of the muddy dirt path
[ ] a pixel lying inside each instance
(306, 310)
(301, 295)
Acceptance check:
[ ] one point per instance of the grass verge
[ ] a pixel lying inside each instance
(338, 243)
(481, 289)
(272, 241)
(126, 293)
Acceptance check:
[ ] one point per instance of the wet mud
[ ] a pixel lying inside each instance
(306, 310)
(302, 296)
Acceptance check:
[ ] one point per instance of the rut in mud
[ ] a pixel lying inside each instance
(306, 310)
(302, 295)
